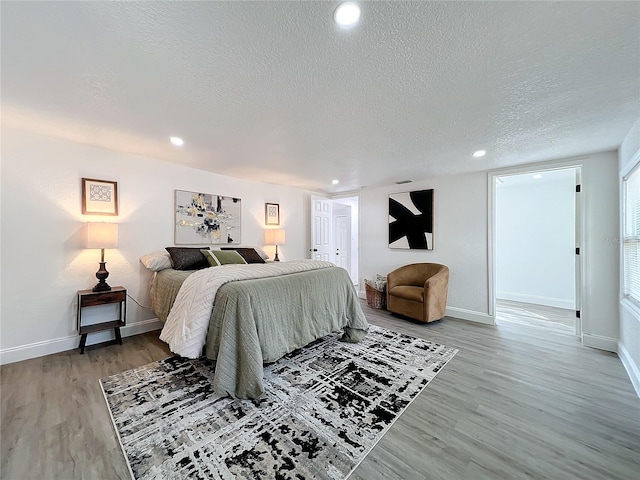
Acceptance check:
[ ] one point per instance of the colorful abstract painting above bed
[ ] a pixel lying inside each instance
(243, 316)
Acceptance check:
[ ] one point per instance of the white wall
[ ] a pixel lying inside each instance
(601, 217)
(629, 344)
(461, 232)
(535, 241)
(460, 239)
(44, 261)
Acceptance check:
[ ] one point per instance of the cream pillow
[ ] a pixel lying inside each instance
(156, 261)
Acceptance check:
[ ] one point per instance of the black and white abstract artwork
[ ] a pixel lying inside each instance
(411, 220)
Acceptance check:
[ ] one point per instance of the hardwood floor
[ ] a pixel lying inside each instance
(55, 424)
(515, 402)
(536, 315)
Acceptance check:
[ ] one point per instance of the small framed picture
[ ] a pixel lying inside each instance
(99, 197)
(272, 214)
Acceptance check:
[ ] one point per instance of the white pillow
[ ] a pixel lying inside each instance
(156, 261)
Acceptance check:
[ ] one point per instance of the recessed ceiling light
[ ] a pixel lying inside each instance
(537, 175)
(335, 182)
(347, 14)
(479, 153)
(177, 141)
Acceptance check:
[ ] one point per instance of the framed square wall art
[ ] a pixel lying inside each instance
(99, 197)
(272, 214)
(206, 219)
(411, 220)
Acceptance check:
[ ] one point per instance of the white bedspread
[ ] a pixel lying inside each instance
(186, 327)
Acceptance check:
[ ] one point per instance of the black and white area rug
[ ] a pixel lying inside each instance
(325, 407)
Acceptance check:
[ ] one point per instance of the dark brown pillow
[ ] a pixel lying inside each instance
(249, 254)
(184, 258)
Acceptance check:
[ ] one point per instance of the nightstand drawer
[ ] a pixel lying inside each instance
(101, 298)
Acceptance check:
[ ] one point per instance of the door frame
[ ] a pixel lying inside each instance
(352, 200)
(580, 284)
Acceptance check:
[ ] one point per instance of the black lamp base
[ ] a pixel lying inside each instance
(276, 259)
(101, 275)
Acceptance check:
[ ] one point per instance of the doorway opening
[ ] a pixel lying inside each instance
(334, 232)
(536, 232)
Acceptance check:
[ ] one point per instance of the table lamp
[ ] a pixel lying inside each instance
(274, 236)
(102, 235)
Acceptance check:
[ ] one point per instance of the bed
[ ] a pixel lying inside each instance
(243, 316)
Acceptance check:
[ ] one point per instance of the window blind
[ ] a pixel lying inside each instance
(632, 235)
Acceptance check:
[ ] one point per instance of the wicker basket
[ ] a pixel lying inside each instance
(375, 298)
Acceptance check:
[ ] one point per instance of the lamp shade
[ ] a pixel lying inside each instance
(102, 235)
(274, 236)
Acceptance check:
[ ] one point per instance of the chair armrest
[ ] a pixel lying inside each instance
(437, 280)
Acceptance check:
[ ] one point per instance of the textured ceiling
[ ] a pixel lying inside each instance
(274, 91)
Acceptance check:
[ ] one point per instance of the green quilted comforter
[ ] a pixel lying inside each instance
(258, 321)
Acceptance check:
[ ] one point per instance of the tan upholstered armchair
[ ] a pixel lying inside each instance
(418, 291)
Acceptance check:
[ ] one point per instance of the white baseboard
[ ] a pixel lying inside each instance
(142, 326)
(57, 345)
(470, 315)
(601, 343)
(632, 369)
(537, 300)
(460, 313)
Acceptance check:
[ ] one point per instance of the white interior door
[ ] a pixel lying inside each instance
(320, 228)
(343, 241)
